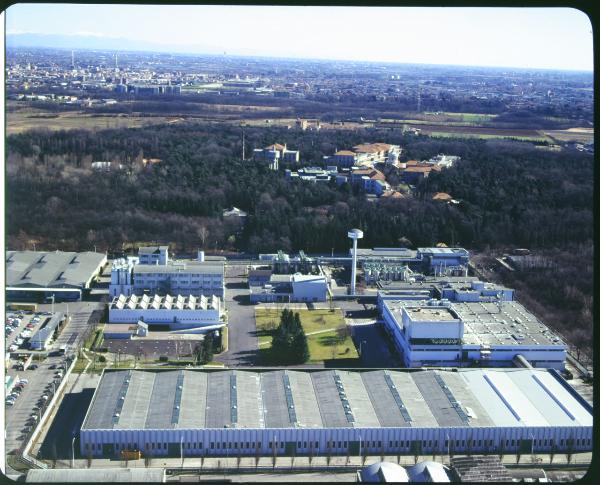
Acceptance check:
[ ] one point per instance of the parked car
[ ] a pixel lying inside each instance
(9, 403)
(53, 366)
(33, 366)
(24, 381)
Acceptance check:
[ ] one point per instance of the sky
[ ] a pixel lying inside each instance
(551, 38)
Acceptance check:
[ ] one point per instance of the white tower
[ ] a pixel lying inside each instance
(354, 234)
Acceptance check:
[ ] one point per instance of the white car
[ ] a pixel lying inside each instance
(13, 348)
(24, 381)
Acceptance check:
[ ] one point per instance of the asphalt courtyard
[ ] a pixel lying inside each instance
(150, 348)
(243, 341)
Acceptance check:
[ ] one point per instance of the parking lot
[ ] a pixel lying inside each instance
(42, 377)
(19, 327)
(40, 381)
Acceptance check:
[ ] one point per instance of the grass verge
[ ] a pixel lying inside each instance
(326, 332)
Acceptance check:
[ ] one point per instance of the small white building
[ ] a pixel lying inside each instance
(308, 287)
(291, 288)
(178, 312)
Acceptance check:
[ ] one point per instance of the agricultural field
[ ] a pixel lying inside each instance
(326, 331)
(21, 121)
(483, 132)
(580, 135)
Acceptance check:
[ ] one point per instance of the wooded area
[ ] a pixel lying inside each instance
(510, 193)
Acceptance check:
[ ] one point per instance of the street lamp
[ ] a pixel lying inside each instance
(73, 453)
(360, 347)
(181, 450)
(359, 447)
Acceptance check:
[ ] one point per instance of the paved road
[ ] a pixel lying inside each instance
(83, 314)
(243, 342)
(374, 349)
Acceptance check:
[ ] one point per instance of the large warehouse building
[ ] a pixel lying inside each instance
(234, 412)
(36, 275)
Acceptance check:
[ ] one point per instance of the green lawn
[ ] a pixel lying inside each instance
(324, 344)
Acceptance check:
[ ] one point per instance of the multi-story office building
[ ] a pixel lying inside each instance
(162, 276)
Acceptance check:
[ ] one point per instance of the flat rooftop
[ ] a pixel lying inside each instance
(192, 267)
(383, 253)
(198, 399)
(433, 314)
(507, 324)
(56, 269)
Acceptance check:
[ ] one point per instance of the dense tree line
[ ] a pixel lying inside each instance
(510, 193)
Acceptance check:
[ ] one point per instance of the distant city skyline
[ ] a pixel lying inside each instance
(539, 38)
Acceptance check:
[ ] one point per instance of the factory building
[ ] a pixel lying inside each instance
(152, 272)
(37, 275)
(178, 312)
(291, 288)
(45, 332)
(474, 291)
(293, 412)
(259, 277)
(458, 334)
(429, 261)
(452, 288)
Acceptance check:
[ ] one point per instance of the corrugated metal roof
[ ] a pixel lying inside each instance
(337, 399)
(51, 269)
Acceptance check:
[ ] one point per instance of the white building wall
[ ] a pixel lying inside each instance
(313, 290)
(321, 440)
(127, 315)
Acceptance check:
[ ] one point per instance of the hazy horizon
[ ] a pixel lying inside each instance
(515, 38)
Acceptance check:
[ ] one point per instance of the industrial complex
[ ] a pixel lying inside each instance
(481, 374)
(238, 412)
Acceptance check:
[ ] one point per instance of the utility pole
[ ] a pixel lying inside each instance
(243, 144)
